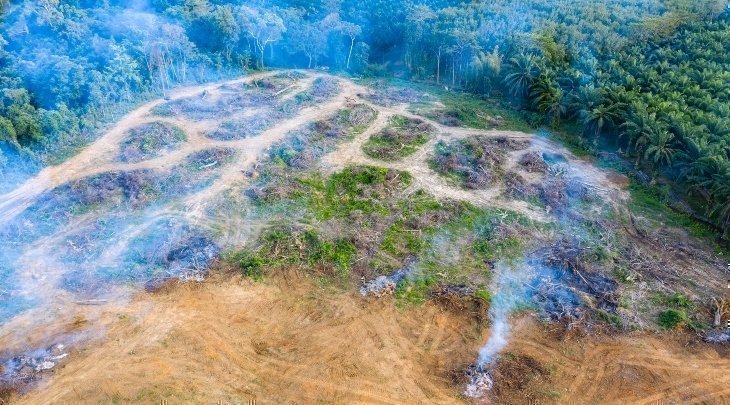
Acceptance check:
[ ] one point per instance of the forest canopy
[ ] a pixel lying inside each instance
(649, 78)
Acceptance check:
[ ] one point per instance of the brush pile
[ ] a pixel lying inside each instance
(388, 96)
(245, 127)
(150, 140)
(29, 367)
(533, 162)
(476, 162)
(517, 187)
(401, 138)
(553, 193)
(566, 284)
(386, 285)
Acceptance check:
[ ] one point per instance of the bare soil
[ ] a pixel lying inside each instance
(289, 340)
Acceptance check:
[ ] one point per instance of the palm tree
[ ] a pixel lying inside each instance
(549, 98)
(523, 71)
(597, 118)
(720, 193)
(637, 128)
(660, 146)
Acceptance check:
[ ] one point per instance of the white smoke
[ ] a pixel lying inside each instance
(510, 287)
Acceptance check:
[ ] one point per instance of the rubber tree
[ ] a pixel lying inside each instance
(263, 27)
(352, 31)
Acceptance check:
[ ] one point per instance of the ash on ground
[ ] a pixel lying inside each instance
(386, 285)
(721, 336)
(29, 367)
(480, 381)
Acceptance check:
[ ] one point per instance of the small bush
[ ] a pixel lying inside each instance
(672, 318)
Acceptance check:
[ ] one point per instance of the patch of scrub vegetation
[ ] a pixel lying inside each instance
(208, 159)
(457, 109)
(323, 89)
(358, 190)
(301, 150)
(655, 205)
(457, 255)
(231, 100)
(451, 243)
(401, 138)
(350, 207)
(244, 127)
(150, 140)
(125, 191)
(677, 311)
(475, 162)
(357, 118)
(288, 246)
(450, 108)
(672, 318)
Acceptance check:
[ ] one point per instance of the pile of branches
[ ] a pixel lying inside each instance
(533, 162)
(517, 187)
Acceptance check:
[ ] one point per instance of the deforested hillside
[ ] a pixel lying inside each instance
(380, 202)
(325, 187)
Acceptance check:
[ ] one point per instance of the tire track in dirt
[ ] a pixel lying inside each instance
(15, 202)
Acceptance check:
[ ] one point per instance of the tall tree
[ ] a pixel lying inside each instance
(264, 28)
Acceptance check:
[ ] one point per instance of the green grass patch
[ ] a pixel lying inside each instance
(674, 301)
(280, 247)
(415, 291)
(611, 319)
(358, 188)
(653, 203)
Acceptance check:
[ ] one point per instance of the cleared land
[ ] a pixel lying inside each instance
(315, 212)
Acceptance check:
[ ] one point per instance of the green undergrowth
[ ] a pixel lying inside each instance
(677, 311)
(402, 137)
(282, 246)
(360, 222)
(653, 203)
(475, 162)
(461, 109)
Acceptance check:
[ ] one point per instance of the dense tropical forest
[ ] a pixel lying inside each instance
(647, 78)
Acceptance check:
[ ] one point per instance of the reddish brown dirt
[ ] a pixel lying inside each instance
(293, 341)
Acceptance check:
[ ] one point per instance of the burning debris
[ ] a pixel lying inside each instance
(28, 368)
(170, 250)
(553, 193)
(480, 381)
(386, 285)
(567, 258)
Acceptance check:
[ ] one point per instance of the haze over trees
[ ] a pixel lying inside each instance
(650, 78)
